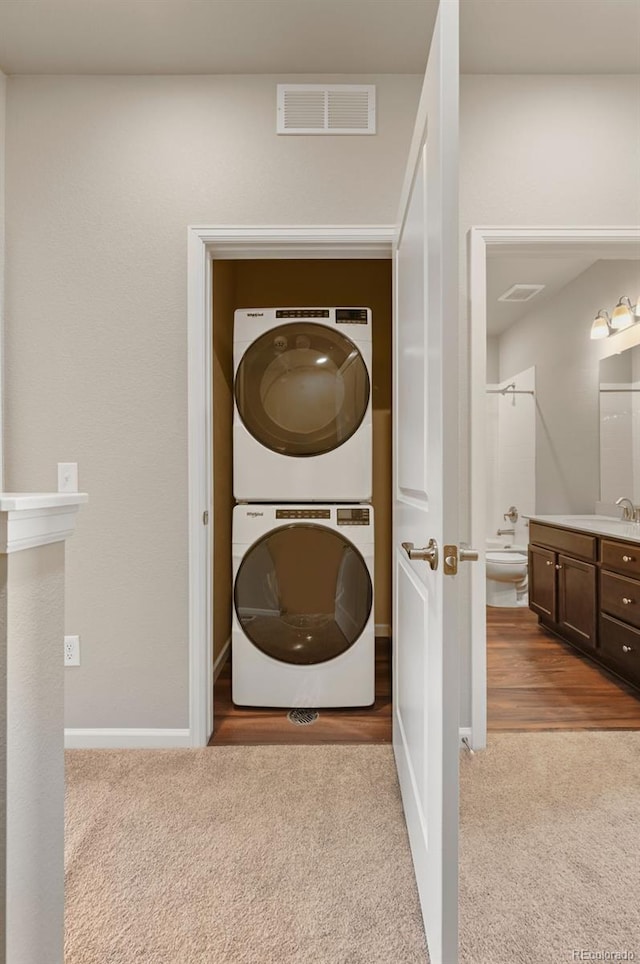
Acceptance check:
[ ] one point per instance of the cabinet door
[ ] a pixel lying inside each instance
(577, 601)
(542, 582)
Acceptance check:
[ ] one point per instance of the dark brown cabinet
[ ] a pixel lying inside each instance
(586, 589)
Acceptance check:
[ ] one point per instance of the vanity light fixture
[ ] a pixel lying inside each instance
(600, 327)
(636, 310)
(622, 314)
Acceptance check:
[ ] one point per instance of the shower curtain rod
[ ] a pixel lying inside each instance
(508, 391)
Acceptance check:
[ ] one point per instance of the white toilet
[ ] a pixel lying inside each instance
(506, 577)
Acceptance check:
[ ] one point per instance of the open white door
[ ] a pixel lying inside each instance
(425, 631)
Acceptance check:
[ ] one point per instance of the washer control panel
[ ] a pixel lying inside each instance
(353, 517)
(303, 513)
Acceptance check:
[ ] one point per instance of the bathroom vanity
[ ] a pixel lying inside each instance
(584, 585)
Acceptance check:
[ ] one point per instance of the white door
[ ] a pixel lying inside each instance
(425, 631)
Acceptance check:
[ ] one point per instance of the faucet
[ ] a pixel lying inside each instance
(506, 532)
(511, 514)
(630, 513)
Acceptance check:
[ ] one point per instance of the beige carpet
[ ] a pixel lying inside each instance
(263, 855)
(276, 855)
(550, 848)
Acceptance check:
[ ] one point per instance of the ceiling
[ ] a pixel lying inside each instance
(313, 36)
(507, 269)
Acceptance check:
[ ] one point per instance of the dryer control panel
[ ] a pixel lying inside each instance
(353, 517)
(303, 513)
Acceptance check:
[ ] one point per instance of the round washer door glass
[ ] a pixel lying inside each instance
(302, 389)
(303, 594)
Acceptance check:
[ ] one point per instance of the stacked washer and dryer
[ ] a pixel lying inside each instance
(303, 631)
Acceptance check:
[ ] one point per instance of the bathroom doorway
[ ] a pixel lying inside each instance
(535, 450)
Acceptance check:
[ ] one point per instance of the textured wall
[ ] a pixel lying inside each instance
(104, 174)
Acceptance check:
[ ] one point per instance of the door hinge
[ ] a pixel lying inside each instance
(205, 518)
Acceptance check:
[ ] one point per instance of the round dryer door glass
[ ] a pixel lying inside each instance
(303, 594)
(302, 389)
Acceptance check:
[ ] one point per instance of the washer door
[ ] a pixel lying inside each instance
(302, 389)
(303, 594)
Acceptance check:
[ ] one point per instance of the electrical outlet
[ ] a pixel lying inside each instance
(71, 650)
(67, 476)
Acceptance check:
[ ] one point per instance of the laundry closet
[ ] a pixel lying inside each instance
(285, 513)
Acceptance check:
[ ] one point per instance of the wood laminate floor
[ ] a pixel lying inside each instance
(535, 682)
(236, 725)
(538, 682)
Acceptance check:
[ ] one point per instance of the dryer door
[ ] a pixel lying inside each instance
(302, 389)
(303, 594)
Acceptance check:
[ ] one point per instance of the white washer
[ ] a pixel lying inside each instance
(302, 427)
(303, 623)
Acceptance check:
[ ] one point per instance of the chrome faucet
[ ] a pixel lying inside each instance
(506, 532)
(630, 513)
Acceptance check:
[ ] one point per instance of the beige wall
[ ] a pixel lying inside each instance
(103, 176)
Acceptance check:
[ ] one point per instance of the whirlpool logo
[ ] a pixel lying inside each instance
(255, 515)
(255, 314)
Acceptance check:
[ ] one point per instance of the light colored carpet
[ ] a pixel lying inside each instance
(550, 848)
(263, 855)
(282, 854)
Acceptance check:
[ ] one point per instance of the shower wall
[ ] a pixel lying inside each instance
(511, 454)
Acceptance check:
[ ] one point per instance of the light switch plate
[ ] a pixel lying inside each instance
(67, 476)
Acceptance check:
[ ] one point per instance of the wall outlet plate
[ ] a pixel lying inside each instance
(71, 650)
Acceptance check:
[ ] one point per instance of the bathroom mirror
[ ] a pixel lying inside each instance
(620, 426)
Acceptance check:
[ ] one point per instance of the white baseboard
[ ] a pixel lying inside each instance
(383, 629)
(221, 659)
(105, 738)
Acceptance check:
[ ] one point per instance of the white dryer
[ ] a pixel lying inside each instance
(302, 429)
(303, 623)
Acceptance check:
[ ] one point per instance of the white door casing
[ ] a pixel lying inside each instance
(425, 630)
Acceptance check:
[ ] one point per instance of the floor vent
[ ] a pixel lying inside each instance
(326, 109)
(302, 717)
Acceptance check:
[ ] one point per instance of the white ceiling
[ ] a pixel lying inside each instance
(312, 36)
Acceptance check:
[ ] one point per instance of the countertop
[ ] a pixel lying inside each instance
(597, 525)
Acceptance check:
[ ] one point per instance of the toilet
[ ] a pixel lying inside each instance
(506, 577)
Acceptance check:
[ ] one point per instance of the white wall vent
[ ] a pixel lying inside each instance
(521, 292)
(326, 109)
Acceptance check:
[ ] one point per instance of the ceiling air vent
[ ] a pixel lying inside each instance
(521, 292)
(326, 109)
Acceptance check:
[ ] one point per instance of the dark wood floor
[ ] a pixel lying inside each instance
(246, 725)
(537, 682)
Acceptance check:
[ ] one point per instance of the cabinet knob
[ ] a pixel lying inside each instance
(548, 562)
(627, 649)
(558, 567)
(627, 558)
(626, 600)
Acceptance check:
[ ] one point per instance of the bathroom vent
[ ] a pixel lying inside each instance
(326, 109)
(521, 292)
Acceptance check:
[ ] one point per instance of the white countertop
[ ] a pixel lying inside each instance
(15, 501)
(597, 525)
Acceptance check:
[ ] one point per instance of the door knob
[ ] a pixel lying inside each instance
(428, 553)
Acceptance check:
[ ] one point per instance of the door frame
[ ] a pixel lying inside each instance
(205, 244)
(612, 242)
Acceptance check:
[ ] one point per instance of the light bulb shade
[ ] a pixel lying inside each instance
(600, 327)
(621, 316)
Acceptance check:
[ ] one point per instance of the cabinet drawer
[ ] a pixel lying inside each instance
(622, 557)
(620, 597)
(564, 540)
(620, 646)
